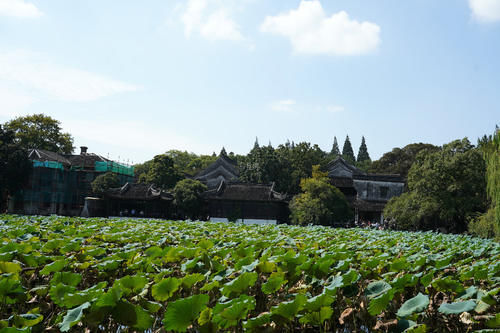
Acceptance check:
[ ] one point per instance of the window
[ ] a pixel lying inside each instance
(383, 191)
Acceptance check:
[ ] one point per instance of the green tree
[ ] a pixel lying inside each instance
(187, 197)
(104, 182)
(363, 161)
(446, 188)
(296, 161)
(347, 152)
(41, 132)
(335, 152)
(320, 203)
(15, 167)
(400, 160)
(488, 225)
(162, 172)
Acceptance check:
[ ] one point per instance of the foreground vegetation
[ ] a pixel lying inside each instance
(62, 274)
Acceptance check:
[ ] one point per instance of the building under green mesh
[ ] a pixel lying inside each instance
(59, 183)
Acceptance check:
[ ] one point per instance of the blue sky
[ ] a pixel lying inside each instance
(132, 79)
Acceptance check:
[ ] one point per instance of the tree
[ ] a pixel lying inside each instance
(162, 172)
(187, 197)
(446, 188)
(296, 161)
(41, 132)
(335, 148)
(363, 152)
(320, 203)
(15, 167)
(400, 160)
(488, 225)
(104, 182)
(363, 161)
(347, 152)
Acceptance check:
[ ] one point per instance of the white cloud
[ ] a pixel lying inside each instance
(284, 105)
(19, 8)
(485, 10)
(220, 26)
(211, 22)
(335, 108)
(311, 31)
(58, 82)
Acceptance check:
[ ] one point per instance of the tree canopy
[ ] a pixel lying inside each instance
(104, 182)
(41, 132)
(335, 152)
(162, 172)
(347, 152)
(187, 197)
(15, 166)
(446, 188)
(400, 160)
(320, 202)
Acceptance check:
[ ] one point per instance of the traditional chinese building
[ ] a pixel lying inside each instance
(367, 193)
(223, 169)
(247, 203)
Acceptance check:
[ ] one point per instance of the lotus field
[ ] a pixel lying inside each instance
(124, 275)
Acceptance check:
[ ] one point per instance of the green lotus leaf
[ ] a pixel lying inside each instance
(319, 301)
(26, 320)
(230, 313)
(154, 252)
(108, 265)
(266, 267)
(469, 293)
(457, 307)
(376, 288)
(290, 309)
(190, 280)
(350, 277)
(67, 278)
(180, 314)
(255, 324)
(73, 317)
(422, 328)
(336, 283)
(132, 284)
(132, 315)
(416, 304)
(239, 284)
(493, 322)
(55, 266)
(427, 278)
(205, 316)
(448, 284)
(164, 289)
(379, 303)
(210, 286)
(111, 297)
(9, 267)
(317, 317)
(59, 292)
(274, 283)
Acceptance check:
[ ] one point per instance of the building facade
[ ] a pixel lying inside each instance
(59, 183)
(367, 193)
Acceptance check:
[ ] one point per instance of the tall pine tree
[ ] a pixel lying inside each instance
(335, 148)
(347, 152)
(363, 155)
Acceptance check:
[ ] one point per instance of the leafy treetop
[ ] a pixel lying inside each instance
(41, 132)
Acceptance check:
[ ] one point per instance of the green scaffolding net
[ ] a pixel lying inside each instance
(47, 164)
(114, 167)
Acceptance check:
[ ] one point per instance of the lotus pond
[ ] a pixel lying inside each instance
(127, 275)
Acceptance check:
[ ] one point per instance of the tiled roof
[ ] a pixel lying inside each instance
(245, 192)
(132, 191)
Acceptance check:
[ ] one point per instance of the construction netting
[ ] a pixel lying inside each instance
(114, 167)
(47, 164)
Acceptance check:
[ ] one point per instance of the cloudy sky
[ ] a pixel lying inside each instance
(131, 79)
